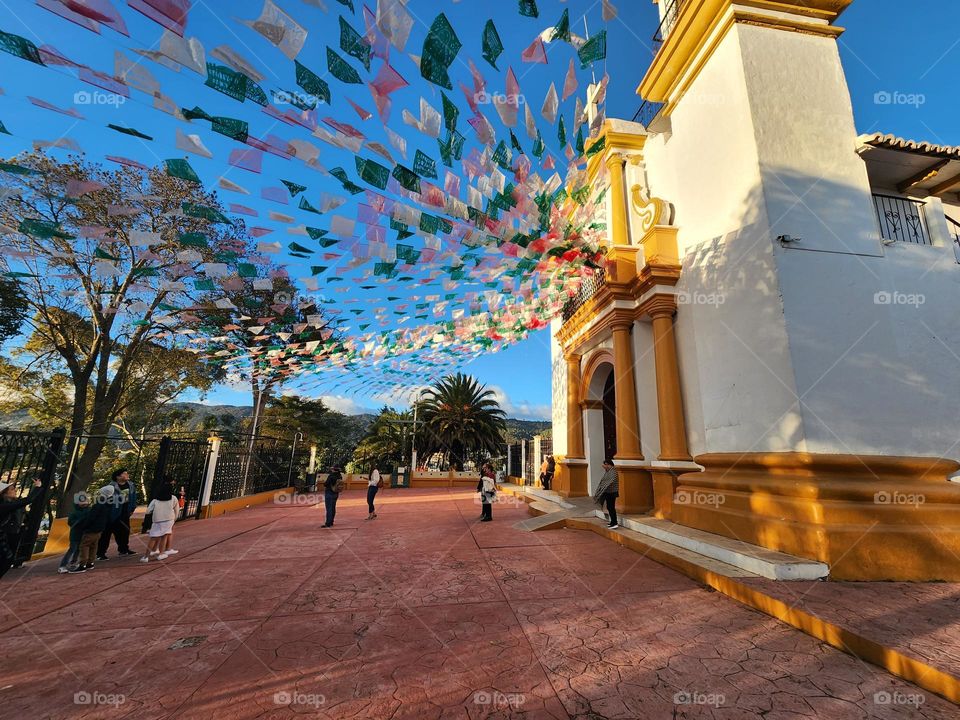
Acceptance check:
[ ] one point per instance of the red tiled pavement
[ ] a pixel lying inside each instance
(421, 613)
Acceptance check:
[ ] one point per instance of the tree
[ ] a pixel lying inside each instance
(336, 435)
(461, 418)
(13, 308)
(112, 264)
(385, 441)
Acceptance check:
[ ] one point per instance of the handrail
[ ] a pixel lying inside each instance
(670, 16)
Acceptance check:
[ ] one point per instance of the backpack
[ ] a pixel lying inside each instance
(339, 486)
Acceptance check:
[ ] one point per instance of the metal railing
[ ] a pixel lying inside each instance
(588, 288)
(954, 229)
(670, 17)
(901, 219)
(647, 112)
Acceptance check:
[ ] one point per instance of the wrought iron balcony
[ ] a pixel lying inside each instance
(670, 17)
(647, 112)
(901, 219)
(588, 288)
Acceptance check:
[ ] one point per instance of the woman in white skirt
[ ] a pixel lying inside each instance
(165, 507)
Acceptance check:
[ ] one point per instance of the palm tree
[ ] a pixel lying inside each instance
(461, 418)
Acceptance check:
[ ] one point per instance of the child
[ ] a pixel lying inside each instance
(76, 521)
(165, 507)
(94, 524)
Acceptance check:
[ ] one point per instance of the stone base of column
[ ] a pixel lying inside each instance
(867, 517)
(636, 488)
(570, 479)
(664, 488)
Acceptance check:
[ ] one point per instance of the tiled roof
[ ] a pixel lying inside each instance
(898, 143)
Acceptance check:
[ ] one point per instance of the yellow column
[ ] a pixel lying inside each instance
(574, 414)
(628, 424)
(673, 430)
(618, 230)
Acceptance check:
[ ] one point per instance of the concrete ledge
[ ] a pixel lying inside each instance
(752, 558)
(225, 506)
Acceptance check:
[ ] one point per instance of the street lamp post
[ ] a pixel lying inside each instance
(413, 443)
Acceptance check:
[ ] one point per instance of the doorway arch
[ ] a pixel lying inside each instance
(598, 405)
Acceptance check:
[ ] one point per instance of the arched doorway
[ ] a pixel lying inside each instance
(599, 414)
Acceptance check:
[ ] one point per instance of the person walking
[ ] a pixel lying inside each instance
(543, 473)
(607, 492)
(373, 485)
(487, 487)
(95, 525)
(122, 505)
(165, 508)
(11, 520)
(332, 487)
(70, 563)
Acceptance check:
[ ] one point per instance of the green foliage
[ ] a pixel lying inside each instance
(386, 442)
(13, 308)
(461, 419)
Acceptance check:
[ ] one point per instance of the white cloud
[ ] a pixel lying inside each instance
(345, 405)
(521, 410)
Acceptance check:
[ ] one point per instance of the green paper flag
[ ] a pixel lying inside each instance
(179, 168)
(353, 44)
(205, 213)
(562, 29)
(492, 46)
(439, 50)
(341, 69)
(231, 127)
(593, 49)
(538, 146)
(43, 229)
(424, 165)
(3, 129)
(450, 113)
(373, 173)
(561, 132)
(579, 142)
(20, 46)
(305, 205)
(129, 131)
(528, 8)
(193, 239)
(196, 114)
(234, 84)
(597, 146)
(312, 83)
(293, 188)
(315, 233)
(407, 178)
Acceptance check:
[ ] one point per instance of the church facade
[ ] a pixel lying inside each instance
(772, 354)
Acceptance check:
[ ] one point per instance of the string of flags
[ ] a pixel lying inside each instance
(393, 210)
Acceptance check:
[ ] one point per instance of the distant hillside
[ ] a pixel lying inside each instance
(198, 412)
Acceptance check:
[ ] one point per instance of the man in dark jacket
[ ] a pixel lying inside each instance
(332, 487)
(94, 525)
(11, 518)
(122, 505)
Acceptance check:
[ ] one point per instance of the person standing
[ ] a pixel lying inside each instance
(608, 490)
(543, 473)
(165, 508)
(122, 505)
(373, 485)
(332, 487)
(551, 471)
(95, 525)
(487, 487)
(11, 520)
(76, 521)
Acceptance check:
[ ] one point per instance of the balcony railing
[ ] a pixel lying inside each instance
(901, 219)
(955, 232)
(670, 16)
(589, 287)
(647, 112)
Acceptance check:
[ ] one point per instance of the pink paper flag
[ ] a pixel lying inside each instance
(535, 53)
(570, 82)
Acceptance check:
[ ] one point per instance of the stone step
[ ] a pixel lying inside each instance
(752, 558)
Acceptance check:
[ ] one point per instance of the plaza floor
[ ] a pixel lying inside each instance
(421, 613)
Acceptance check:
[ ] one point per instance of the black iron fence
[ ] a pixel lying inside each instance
(901, 219)
(647, 112)
(589, 287)
(24, 457)
(245, 468)
(183, 464)
(670, 16)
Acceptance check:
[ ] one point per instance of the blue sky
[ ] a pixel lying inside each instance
(885, 50)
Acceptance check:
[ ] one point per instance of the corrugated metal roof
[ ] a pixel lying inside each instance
(893, 142)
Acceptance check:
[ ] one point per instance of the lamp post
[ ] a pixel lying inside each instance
(413, 442)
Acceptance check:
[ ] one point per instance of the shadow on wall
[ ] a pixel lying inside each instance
(814, 347)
